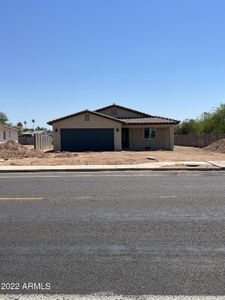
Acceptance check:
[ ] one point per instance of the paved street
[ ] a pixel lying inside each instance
(124, 233)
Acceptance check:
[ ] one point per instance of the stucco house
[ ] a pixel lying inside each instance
(113, 127)
(8, 133)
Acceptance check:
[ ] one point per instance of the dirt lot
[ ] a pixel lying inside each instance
(125, 157)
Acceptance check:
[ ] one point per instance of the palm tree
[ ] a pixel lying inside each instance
(20, 127)
(25, 123)
(20, 124)
(33, 121)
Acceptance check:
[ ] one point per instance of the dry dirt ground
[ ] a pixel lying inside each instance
(124, 157)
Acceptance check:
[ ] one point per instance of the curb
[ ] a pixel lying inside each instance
(110, 170)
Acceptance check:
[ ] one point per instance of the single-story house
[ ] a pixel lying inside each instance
(113, 127)
(8, 133)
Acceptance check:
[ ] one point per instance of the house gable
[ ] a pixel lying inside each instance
(120, 112)
(97, 114)
(86, 120)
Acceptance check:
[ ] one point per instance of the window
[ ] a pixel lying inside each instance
(4, 135)
(87, 117)
(149, 133)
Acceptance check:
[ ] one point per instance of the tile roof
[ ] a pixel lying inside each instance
(146, 119)
(149, 120)
(122, 107)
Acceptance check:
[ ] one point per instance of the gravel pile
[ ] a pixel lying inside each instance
(13, 150)
(218, 146)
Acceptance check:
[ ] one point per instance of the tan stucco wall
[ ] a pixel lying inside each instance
(79, 122)
(121, 113)
(11, 134)
(163, 139)
(171, 137)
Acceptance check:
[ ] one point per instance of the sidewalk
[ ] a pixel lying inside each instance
(157, 166)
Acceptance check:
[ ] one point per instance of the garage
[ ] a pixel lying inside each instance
(87, 139)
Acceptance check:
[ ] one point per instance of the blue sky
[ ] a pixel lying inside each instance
(164, 57)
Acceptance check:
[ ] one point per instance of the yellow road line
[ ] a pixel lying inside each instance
(18, 198)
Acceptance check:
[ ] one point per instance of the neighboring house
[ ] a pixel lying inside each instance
(111, 128)
(33, 132)
(8, 133)
(28, 137)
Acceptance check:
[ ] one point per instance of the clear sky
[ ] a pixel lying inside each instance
(163, 57)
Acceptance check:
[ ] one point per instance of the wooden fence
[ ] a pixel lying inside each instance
(26, 140)
(198, 140)
(42, 141)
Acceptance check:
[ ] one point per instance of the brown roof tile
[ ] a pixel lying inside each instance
(123, 107)
(149, 120)
(146, 119)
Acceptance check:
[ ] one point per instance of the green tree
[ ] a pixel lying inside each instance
(39, 128)
(187, 127)
(217, 120)
(209, 122)
(3, 118)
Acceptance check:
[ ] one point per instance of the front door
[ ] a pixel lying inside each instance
(125, 138)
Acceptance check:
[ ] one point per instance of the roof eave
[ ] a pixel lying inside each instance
(8, 127)
(86, 111)
(159, 123)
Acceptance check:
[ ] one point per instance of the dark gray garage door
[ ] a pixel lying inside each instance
(98, 139)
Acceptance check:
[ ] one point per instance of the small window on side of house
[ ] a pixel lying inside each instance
(149, 133)
(4, 135)
(87, 117)
(9, 134)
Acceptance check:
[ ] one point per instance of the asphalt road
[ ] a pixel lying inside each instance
(122, 233)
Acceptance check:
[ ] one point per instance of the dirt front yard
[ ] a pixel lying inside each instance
(109, 158)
